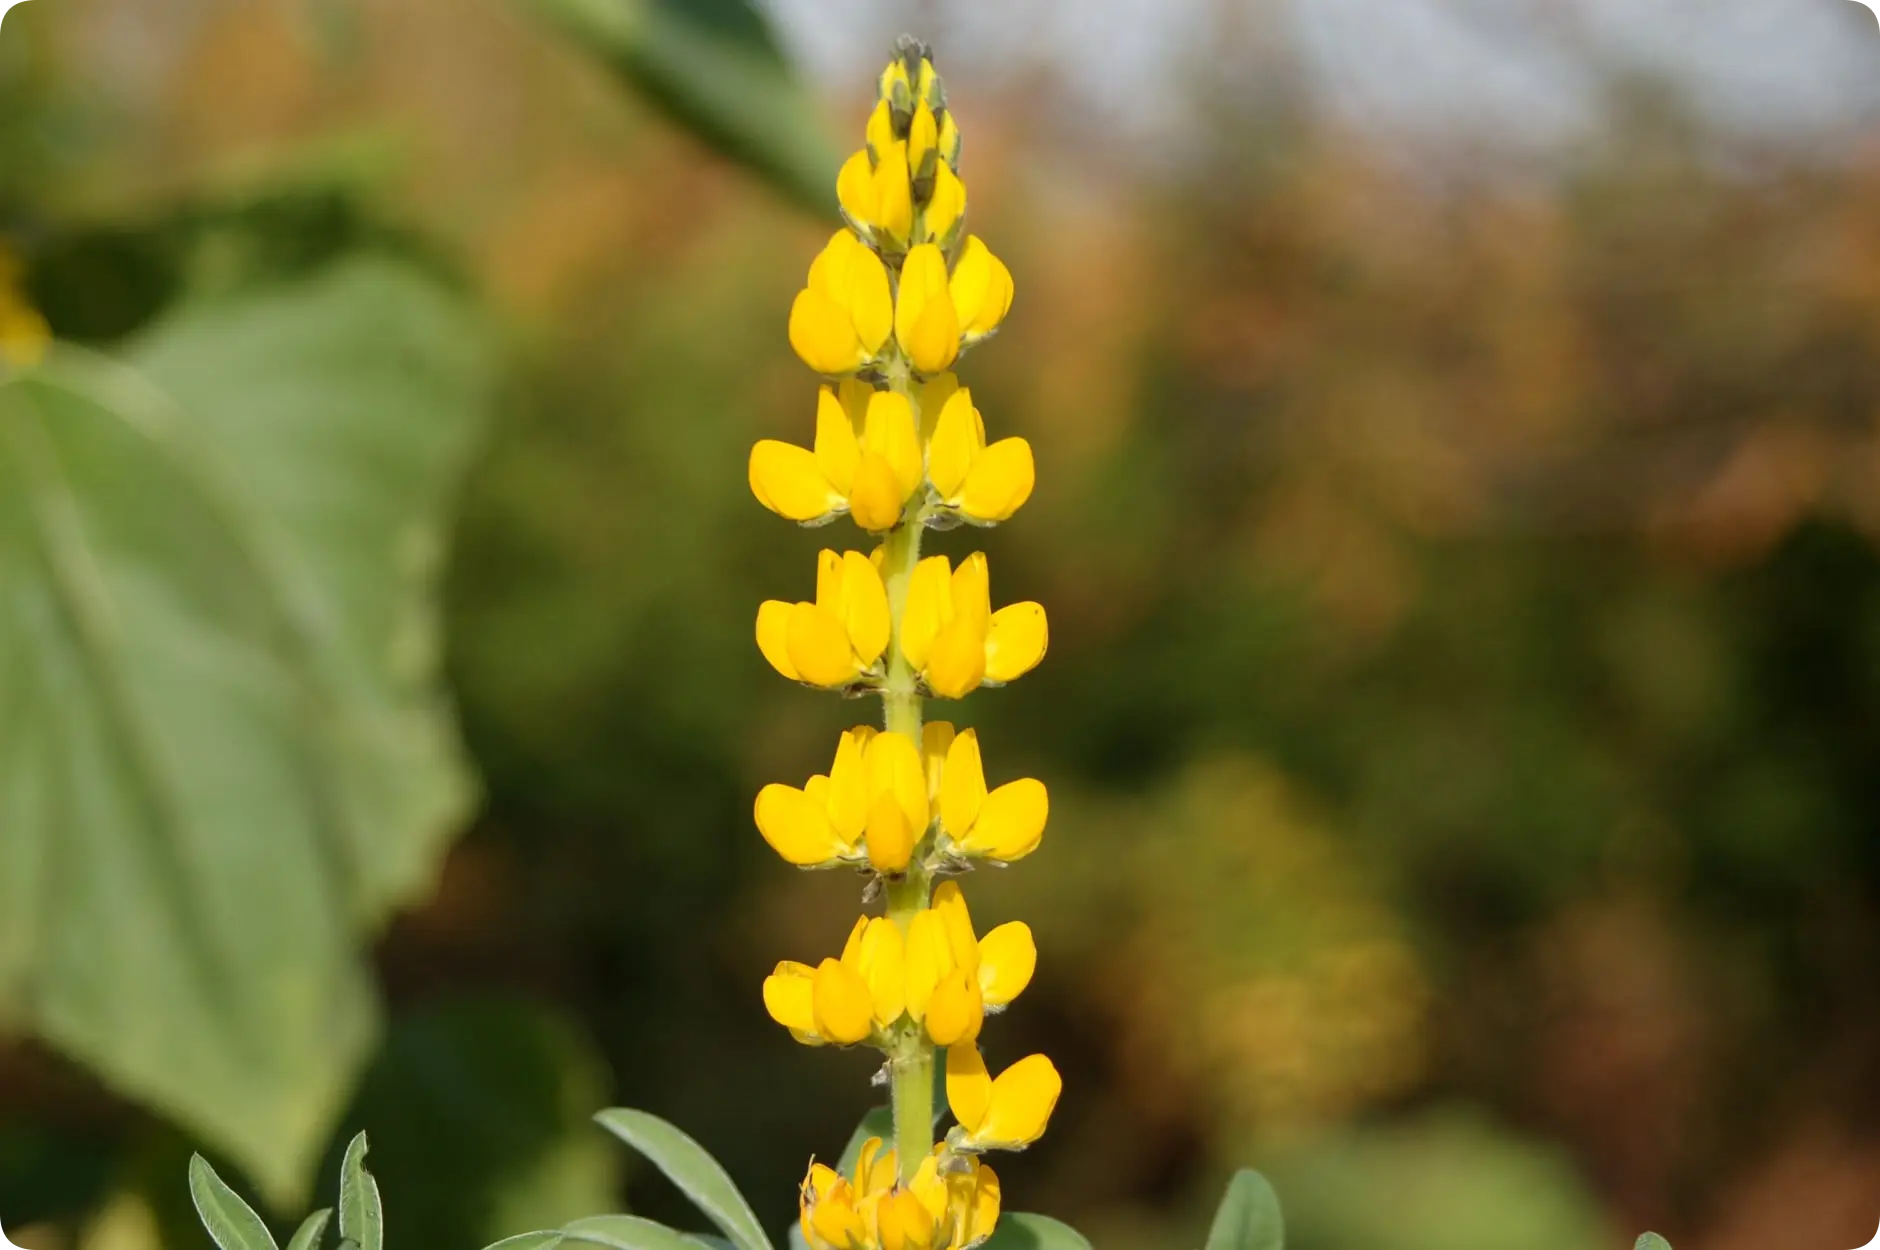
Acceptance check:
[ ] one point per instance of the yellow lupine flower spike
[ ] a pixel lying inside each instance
(954, 640)
(866, 462)
(982, 485)
(1008, 1113)
(836, 641)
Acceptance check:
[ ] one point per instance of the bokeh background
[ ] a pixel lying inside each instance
(1459, 514)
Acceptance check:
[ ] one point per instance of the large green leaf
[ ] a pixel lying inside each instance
(361, 1210)
(1019, 1230)
(691, 1167)
(224, 751)
(232, 1224)
(1248, 1217)
(715, 66)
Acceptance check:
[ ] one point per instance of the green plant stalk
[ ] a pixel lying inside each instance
(911, 1066)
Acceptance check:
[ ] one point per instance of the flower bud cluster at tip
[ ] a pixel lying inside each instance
(899, 446)
(24, 335)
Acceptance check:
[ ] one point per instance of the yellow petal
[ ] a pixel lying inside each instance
(969, 1087)
(843, 1008)
(956, 1010)
(1007, 958)
(1020, 1105)
(1010, 822)
(894, 195)
(950, 140)
(981, 286)
(895, 769)
(929, 960)
(788, 997)
(848, 786)
(946, 207)
(819, 647)
(881, 958)
(864, 607)
(796, 827)
(880, 127)
(962, 787)
(855, 189)
(904, 1223)
(925, 322)
(931, 398)
(926, 608)
(949, 903)
(788, 481)
(923, 137)
(890, 839)
(891, 432)
(936, 742)
(956, 661)
(823, 333)
(972, 590)
(1000, 482)
(874, 1167)
(955, 445)
(1016, 641)
(773, 626)
(976, 1206)
(836, 448)
(875, 497)
(871, 302)
(829, 580)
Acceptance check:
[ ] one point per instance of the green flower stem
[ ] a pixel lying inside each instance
(911, 1066)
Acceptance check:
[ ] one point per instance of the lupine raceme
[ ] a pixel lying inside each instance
(899, 447)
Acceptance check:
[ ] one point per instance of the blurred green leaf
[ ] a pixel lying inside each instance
(545, 1240)
(480, 1115)
(689, 1166)
(1651, 1241)
(307, 1236)
(627, 1232)
(1018, 1230)
(224, 750)
(1248, 1217)
(361, 1213)
(232, 1223)
(716, 68)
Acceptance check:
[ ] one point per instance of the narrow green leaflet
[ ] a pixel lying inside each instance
(307, 1236)
(224, 746)
(1018, 1230)
(361, 1213)
(688, 1165)
(1651, 1241)
(232, 1223)
(716, 68)
(1248, 1217)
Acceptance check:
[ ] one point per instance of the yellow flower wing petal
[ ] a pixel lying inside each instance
(929, 958)
(890, 838)
(954, 447)
(926, 607)
(1000, 482)
(949, 903)
(956, 660)
(789, 481)
(848, 786)
(1008, 957)
(875, 496)
(1016, 641)
(890, 432)
(819, 647)
(871, 302)
(894, 194)
(773, 627)
(823, 333)
(956, 1010)
(969, 1086)
(946, 207)
(933, 343)
(864, 607)
(962, 786)
(796, 827)
(883, 965)
(837, 451)
(855, 189)
(843, 1008)
(895, 769)
(788, 997)
(972, 589)
(1010, 822)
(936, 741)
(1022, 1099)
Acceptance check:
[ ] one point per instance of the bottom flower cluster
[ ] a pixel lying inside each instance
(951, 1203)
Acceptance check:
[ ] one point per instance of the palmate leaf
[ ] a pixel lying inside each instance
(224, 751)
(715, 67)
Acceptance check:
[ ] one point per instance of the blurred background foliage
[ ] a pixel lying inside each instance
(1463, 715)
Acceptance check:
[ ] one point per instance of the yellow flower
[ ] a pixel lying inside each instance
(955, 641)
(984, 485)
(1004, 825)
(951, 1203)
(925, 322)
(847, 1000)
(1009, 1113)
(836, 640)
(24, 335)
(873, 806)
(836, 1213)
(842, 319)
(867, 461)
(954, 978)
(981, 288)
